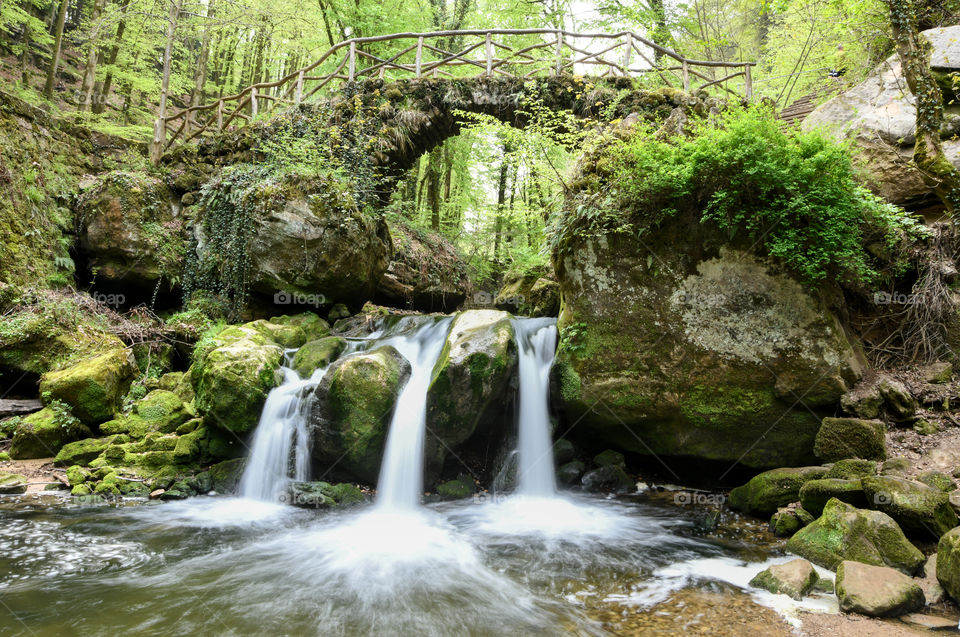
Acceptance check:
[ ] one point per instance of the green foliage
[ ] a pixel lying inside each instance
(792, 193)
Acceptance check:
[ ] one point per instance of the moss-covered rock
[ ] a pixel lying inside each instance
(322, 495)
(233, 375)
(844, 532)
(470, 380)
(948, 563)
(896, 467)
(770, 490)
(876, 591)
(815, 494)
(312, 325)
(129, 231)
(12, 483)
(937, 480)
(81, 452)
(163, 411)
(92, 387)
(852, 469)
(529, 295)
(795, 579)
(317, 354)
(44, 433)
(607, 479)
(842, 438)
(287, 335)
(426, 271)
(462, 487)
(694, 350)
(353, 410)
(921, 510)
(569, 473)
(225, 476)
(788, 520)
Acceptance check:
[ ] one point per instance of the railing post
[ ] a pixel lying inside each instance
(419, 62)
(353, 61)
(559, 51)
(686, 76)
(748, 80)
(489, 47)
(626, 55)
(253, 101)
(219, 115)
(298, 92)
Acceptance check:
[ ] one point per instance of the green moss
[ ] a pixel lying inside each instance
(92, 387)
(317, 354)
(44, 433)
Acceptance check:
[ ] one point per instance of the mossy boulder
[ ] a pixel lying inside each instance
(844, 532)
(130, 233)
(529, 295)
(81, 452)
(815, 494)
(876, 591)
(163, 411)
(317, 354)
(462, 487)
(353, 410)
(770, 490)
(788, 520)
(92, 387)
(569, 473)
(919, 509)
(225, 476)
(693, 349)
(842, 438)
(937, 480)
(607, 479)
(851, 469)
(233, 376)
(288, 336)
(322, 495)
(795, 578)
(12, 483)
(426, 271)
(470, 382)
(312, 325)
(948, 563)
(44, 433)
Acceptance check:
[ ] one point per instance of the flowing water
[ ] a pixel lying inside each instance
(535, 563)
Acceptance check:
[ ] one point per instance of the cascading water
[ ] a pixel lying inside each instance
(537, 341)
(282, 428)
(401, 472)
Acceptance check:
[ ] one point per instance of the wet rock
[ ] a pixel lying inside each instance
(92, 387)
(462, 487)
(12, 483)
(354, 405)
(337, 312)
(815, 494)
(312, 325)
(608, 479)
(795, 578)
(563, 451)
(788, 520)
(844, 532)
(470, 381)
(876, 591)
(322, 495)
(770, 490)
(608, 458)
(841, 438)
(317, 354)
(225, 476)
(569, 473)
(285, 335)
(919, 509)
(44, 433)
(529, 295)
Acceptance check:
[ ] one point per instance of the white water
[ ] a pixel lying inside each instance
(282, 429)
(401, 472)
(537, 341)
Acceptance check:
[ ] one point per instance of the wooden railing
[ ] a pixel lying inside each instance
(535, 52)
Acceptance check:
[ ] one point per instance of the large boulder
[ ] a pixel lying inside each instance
(877, 591)
(233, 375)
(92, 387)
(843, 438)
(690, 349)
(130, 230)
(880, 115)
(352, 411)
(308, 241)
(317, 354)
(948, 563)
(470, 381)
(844, 532)
(529, 295)
(815, 494)
(770, 490)
(44, 433)
(919, 509)
(426, 271)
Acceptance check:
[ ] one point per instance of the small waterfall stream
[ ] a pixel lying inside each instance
(282, 429)
(537, 343)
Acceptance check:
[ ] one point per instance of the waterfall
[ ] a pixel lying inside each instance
(537, 342)
(282, 428)
(401, 472)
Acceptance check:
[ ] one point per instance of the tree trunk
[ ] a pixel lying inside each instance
(93, 52)
(160, 125)
(57, 47)
(25, 56)
(434, 168)
(501, 202)
(200, 74)
(914, 53)
(102, 89)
